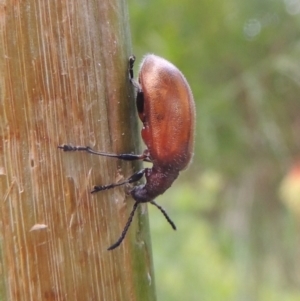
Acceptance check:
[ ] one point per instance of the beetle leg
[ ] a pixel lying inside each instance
(130, 73)
(162, 210)
(127, 157)
(134, 178)
(130, 68)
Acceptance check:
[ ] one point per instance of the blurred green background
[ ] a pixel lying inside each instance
(237, 208)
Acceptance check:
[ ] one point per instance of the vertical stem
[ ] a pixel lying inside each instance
(63, 79)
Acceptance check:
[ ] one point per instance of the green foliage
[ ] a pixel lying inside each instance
(189, 262)
(235, 239)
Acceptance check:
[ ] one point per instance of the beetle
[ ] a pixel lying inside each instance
(166, 108)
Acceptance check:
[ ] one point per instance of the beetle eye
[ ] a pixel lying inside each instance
(140, 102)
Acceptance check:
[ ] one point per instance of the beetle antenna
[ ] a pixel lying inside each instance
(118, 242)
(162, 210)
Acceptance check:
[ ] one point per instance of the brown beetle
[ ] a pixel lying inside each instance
(166, 107)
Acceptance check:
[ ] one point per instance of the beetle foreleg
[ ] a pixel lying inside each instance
(134, 178)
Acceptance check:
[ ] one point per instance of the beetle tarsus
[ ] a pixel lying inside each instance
(131, 75)
(130, 69)
(103, 187)
(67, 147)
